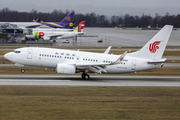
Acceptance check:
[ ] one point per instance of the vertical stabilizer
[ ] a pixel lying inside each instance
(154, 49)
(68, 18)
(80, 27)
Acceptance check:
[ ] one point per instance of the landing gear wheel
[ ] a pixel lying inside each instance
(22, 70)
(83, 75)
(86, 77)
(54, 40)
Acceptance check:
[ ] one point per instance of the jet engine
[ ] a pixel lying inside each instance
(30, 36)
(45, 38)
(65, 69)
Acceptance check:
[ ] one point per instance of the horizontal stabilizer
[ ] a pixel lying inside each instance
(158, 61)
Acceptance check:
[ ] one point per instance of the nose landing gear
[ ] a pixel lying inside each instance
(85, 76)
(23, 70)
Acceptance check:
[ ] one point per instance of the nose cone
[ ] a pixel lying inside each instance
(7, 56)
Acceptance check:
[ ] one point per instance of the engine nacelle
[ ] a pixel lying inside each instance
(65, 69)
(46, 38)
(30, 36)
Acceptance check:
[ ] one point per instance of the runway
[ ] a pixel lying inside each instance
(95, 81)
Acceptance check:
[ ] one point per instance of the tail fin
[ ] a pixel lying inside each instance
(80, 27)
(154, 49)
(35, 20)
(68, 18)
(70, 25)
(43, 20)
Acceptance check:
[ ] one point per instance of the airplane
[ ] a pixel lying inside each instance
(49, 34)
(70, 61)
(67, 22)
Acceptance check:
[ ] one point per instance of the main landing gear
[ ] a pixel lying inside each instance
(85, 76)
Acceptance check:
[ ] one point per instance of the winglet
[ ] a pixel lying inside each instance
(107, 50)
(120, 59)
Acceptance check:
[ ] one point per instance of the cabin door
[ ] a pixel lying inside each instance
(29, 54)
(133, 65)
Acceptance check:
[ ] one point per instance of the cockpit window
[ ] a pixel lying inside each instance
(16, 51)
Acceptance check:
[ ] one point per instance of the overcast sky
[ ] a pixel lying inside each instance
(102, 7)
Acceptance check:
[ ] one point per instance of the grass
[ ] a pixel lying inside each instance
(59, 103)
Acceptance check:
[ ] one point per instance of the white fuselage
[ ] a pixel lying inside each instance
(49, 34)
(49, 58)
(25, 25)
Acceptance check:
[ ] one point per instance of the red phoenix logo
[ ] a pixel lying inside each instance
(153, 46)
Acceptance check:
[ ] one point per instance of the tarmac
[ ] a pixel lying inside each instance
(119, 38)
(94, 81)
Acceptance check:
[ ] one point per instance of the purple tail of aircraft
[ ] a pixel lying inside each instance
(68, 18)
(67, 22)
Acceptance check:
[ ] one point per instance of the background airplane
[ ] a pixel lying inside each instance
(52, 34)
(67, 22)
(71, 62)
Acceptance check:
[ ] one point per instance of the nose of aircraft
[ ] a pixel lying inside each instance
(7, 56)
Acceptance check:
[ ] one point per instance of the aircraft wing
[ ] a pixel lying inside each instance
(96, 68)
(107, 50)
(32, 26)
(54, 36)
(99, 67)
